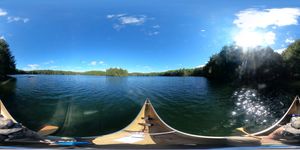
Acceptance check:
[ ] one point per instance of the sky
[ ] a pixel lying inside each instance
(140, 35)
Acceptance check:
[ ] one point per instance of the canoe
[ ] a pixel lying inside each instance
(148, 129)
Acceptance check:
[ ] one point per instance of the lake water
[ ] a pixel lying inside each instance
(95, 105)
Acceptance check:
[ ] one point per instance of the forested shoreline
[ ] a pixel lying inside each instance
(232, 63)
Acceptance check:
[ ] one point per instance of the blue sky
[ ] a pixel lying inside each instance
(140, 36)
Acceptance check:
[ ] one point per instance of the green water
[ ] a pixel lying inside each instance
(93, 105)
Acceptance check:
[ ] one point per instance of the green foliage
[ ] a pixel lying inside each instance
(52, 72)
(7, 60)
(233, 62)
(223, 66)
(94, 73)
(179, 72)
(60, 72)
(116, 72)
(291, 57)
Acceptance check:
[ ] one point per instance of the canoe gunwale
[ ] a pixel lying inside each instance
(277, 124)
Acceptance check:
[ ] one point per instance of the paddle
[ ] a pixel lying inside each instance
(248, 134)
(48, 130)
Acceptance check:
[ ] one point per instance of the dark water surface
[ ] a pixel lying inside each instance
(93, 105)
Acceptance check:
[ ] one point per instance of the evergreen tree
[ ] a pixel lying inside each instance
(7, 61)
(291, 57)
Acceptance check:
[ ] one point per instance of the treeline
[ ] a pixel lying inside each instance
(117, 72)
(7, 61)
(179, 72)
(60, 72)
(233, 63)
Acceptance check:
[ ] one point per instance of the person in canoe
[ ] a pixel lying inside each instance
(290, 131)
(9, 130)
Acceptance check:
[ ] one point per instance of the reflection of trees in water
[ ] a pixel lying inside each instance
(8, 89)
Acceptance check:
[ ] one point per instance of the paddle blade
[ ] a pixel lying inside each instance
(48, 130)
(240, 129)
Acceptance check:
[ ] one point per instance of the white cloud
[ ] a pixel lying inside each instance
(247, 38)
(16, 19)
(117, 27)
(2, 37)
(93, 63)
(3, 12)
(33, 66)
(253, 18)
(114, 16)
(202, 30)
(156, 27)
(280, 50)
(289, 40)
(251, 21)
(131, 20)
(199, 66)
(122, 20)
(153, 33)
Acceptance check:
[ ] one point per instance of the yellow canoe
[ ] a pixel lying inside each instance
(148, 129)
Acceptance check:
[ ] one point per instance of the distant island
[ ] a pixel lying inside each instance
(232, 63)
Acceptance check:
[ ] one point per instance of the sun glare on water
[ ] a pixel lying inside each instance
(248, 39)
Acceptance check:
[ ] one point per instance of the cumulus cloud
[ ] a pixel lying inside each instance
(279, 51)
(94, 63)
(33, 66)
(202, 30)
(253, 18)
(153, 33)
(3, 12)
(131, 20)
(2, 37)
(252, 21)
(251, 38)
(156, 26)
(123, 20)
(16, 19)
(289, 40)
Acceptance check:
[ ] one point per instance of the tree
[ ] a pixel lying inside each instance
(291, 57)
(252, 64)
(7, 61)
(224, 65)
(116, 72)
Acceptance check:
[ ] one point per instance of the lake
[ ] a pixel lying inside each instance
(96, 105)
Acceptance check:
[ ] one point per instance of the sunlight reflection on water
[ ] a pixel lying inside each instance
(254, 110)
(249, 104)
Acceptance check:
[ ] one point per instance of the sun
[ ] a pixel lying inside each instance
(251, 38)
